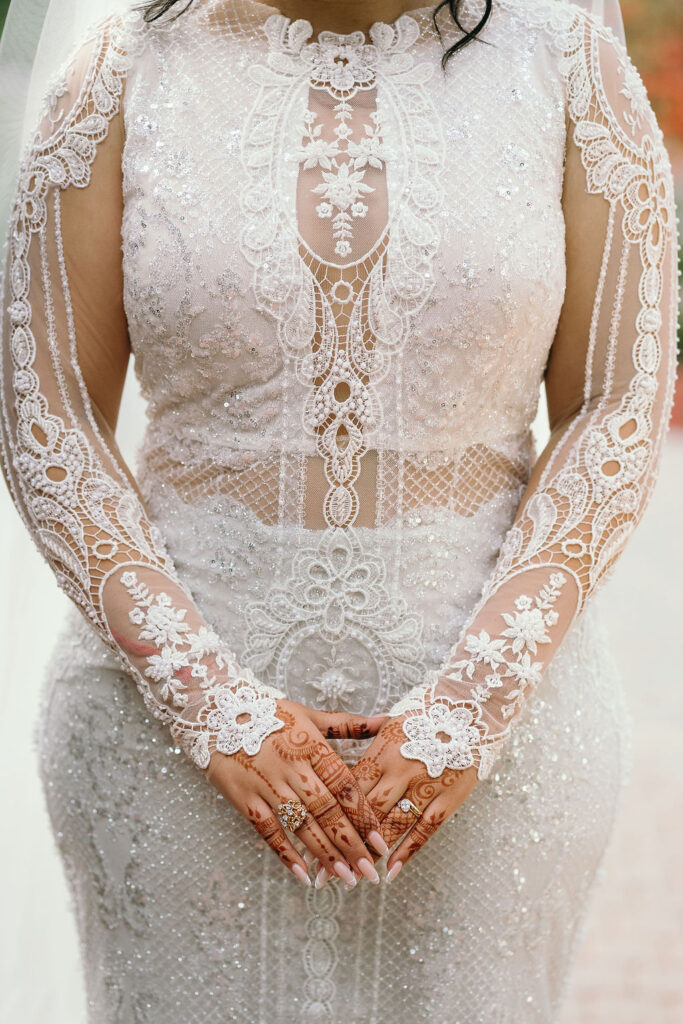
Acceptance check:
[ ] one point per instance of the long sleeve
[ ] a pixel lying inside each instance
(64, 351)
(609, 381)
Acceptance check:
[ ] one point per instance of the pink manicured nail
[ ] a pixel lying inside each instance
(301, 874)
(380, 846)
(368, 870)
(320, 878)
(344, 872)
(394, 870)
(308, 857)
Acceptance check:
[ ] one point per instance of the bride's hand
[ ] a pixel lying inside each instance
(387, 777)
(296, 763)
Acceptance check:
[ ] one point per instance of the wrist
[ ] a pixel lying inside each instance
(237, 714)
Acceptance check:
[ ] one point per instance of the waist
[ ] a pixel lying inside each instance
(381, 487)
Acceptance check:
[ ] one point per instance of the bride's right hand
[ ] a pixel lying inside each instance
(296, 763)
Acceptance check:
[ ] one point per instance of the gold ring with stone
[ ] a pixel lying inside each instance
(407, 806)
(291, 814)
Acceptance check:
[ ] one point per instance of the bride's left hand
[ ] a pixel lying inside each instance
(386, 776)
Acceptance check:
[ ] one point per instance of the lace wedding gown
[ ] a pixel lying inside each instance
(342, 273)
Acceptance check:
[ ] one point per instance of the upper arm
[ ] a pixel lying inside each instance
(90, 210)
(617, 325)
(91, 234)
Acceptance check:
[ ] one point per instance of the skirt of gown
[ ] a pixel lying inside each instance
(185, 915)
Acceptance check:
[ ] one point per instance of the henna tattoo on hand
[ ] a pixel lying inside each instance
(423, 829)
(343, 785)
(270, 829)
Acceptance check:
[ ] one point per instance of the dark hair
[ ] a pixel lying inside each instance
(156, 8)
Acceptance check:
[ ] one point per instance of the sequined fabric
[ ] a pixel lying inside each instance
(343, 271)
(183, 911)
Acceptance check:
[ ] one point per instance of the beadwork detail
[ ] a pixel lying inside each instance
(75, 497)
(590, 497)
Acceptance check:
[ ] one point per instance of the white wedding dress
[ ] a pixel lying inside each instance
(342, 273)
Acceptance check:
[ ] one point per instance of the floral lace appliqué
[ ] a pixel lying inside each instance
(343, 187)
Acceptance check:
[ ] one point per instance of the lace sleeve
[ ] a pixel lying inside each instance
(609, 383)
(64, 353)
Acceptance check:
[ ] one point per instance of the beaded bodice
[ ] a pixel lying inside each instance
(350, 310)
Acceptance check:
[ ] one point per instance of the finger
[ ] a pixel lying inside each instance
(386, 792)
(421, 791)
(366, 772)
(429, 822)
(340, 781)
(315, 838)
(269, 828)
(342, 726)
(396, 823)
(329, 812)
(381, 755)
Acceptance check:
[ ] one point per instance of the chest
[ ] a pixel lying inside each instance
(265, 193)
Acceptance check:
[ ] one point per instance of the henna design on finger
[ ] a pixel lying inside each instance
(343, 785)
(330, 817)
(395, 824)
(348, 731)
(270, 829)
(366, 770)
(423, 829)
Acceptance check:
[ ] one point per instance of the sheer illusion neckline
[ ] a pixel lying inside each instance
(357, 36)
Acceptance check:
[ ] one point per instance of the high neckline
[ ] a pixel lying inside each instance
(330, 36)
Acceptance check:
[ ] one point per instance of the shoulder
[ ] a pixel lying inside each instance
(599, 75)
(72, 110)
(83, 92)
(563, 22)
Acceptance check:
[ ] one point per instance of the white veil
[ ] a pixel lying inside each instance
(38, 39)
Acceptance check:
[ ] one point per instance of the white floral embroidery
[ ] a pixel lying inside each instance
(343, 184)
(227, 692)
(425, 742)
(509, 655)
(233, 735)
(336, 591)
(343, 404)
(336, 688)
(526, 629)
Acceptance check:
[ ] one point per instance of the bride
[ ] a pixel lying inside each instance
(333, 731)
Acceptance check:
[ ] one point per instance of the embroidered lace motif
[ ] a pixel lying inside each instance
(599, 468)
(66, 477)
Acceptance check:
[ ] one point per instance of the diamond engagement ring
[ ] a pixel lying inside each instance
(291, 814)
(406, 805)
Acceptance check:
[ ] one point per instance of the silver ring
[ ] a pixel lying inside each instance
(407, 806)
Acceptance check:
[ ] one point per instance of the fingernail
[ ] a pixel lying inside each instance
(309, 857)
(394, 870)
(344, 872)
(368, 869)
(378, 843)
(320, 878)
(301, 874)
